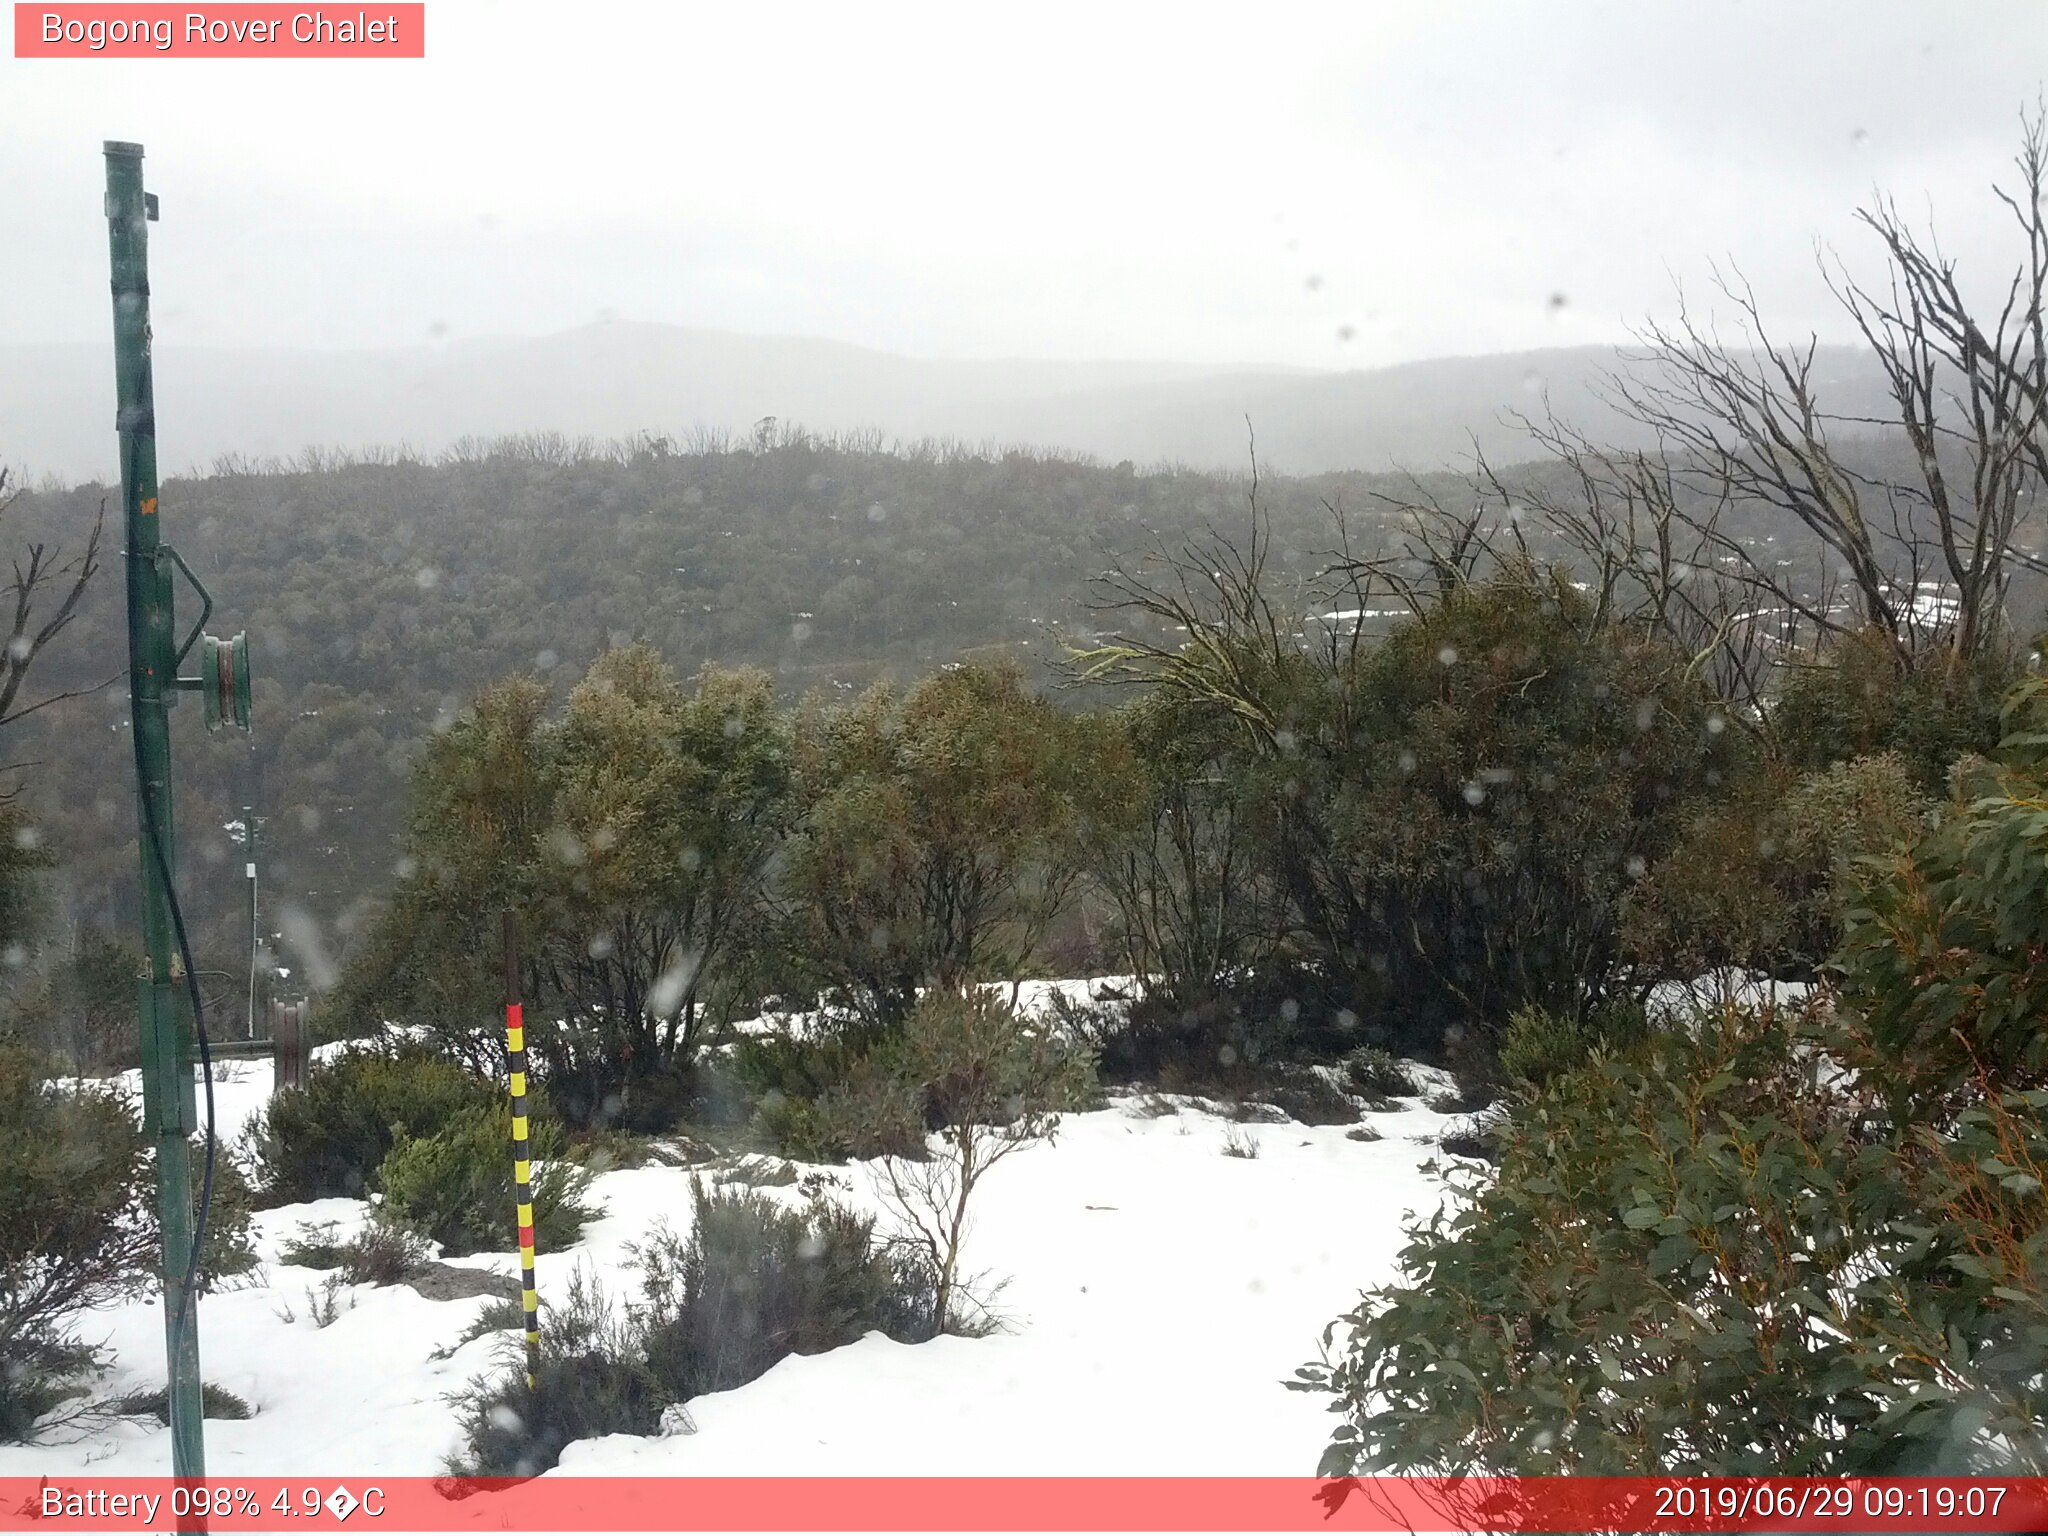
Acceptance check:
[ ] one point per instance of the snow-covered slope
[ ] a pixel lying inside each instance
(1159, 1293)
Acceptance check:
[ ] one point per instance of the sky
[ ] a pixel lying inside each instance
(1316, 186)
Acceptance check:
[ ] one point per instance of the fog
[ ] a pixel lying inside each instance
(1290, 186)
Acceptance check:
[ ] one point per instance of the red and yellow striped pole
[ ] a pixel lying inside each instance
(522, 1165)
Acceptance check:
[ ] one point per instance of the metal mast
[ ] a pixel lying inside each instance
(168, 1025)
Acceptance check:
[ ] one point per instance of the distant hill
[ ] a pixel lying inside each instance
(613, 379)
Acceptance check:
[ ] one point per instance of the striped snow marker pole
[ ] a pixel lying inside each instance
(522, 1164)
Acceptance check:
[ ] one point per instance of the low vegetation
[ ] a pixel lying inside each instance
(755, 1281)
(455, 1185)
(75, 1169)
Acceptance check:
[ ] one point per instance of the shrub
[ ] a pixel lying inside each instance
(382, 1253)
(312, 1247)
(455, 1186)
(74, 1166)
(789, 1076)
(1855, 701)
(757, 1280)
(1762, 882)
(941, 833)
(1709, 1258)
(754, 1282)
(1249, 1042)
(1539, 1045)
(214, 1403)
(1171, 847)
(1304, 1094)
(593, 1380)
(990, 1082)
(633, 833)
(329, 1137)
(1941, 956)
(230, 1247)
(1454, 815)
(500, 1314)
(1377, 1073)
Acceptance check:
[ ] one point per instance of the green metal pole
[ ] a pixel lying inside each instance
(169, 1105)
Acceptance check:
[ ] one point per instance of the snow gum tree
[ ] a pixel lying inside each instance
(633, 834)
(940, 835)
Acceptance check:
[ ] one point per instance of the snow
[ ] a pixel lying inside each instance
(1158, 1293)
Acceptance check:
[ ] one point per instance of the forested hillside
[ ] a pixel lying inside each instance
(380, 593)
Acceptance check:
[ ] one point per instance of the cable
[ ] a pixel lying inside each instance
(199, 1225)
(154, 835)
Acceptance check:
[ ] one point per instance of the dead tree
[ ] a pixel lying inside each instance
(42, 576)
(1742, 418)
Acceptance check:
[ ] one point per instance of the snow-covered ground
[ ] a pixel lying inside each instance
(1158, 1294)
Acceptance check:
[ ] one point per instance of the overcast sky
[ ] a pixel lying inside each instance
(1324, 186)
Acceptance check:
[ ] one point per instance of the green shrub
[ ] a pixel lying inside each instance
(312, 1247)
(1942, 955)
(329, 1137)
(1454, 815)
(593, 1380)
(76, 1232)
(1856, 701)
(1539, 1045)
(1710, 1258)
(500, 1314)
(455, 1186)
(1377, 1073)
(1171, 848)
(214, 1403)
(795, 1080)
(383, 1252)
(940, 834)
(230, 1246)
(1305, 1095)
(1762, 882)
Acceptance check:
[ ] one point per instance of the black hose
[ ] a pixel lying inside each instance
(199, 1224)
(154, 836)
